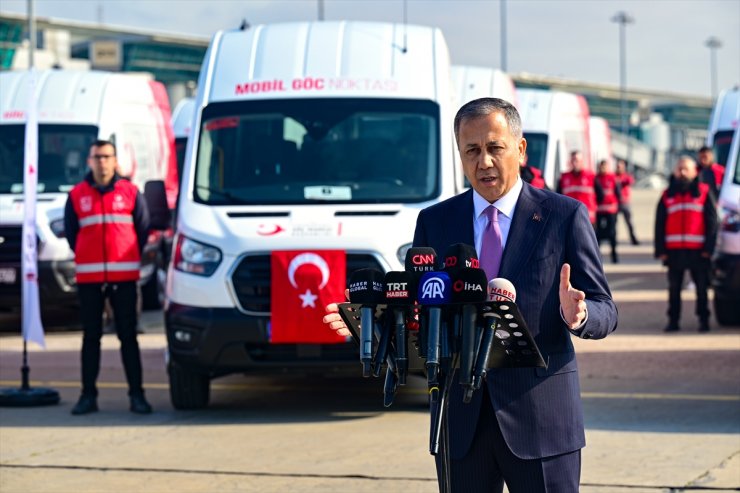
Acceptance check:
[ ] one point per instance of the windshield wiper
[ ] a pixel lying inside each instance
(228, 195)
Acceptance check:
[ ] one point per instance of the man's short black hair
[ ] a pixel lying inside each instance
(484, 107)
(101, 142)
(705, 149)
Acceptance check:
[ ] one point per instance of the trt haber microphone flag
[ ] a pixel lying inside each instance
(303, 283)
(31, 321)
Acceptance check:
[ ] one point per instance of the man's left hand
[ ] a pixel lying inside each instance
(572, 301)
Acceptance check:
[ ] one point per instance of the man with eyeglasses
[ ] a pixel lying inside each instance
(106, 223)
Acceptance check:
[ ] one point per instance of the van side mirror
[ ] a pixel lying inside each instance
(155, 196)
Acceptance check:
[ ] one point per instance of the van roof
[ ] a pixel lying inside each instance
(65, 96)
(327, 59)
(726, 112)
(536, 107)
(479, 82)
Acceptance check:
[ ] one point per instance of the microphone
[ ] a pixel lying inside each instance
(434, 291)
(400, 295)
(499, 289)
(366, 288)
(420, 260)
(460, 256)
(469, 289)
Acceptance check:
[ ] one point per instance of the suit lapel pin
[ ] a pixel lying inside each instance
(536, 217)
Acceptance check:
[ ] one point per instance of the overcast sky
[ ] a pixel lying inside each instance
(574, 39)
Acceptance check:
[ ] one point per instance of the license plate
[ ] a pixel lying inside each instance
(7, 275)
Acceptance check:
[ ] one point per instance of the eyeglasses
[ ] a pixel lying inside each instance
(102, 157)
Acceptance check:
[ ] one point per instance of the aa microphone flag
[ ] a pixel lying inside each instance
(303, 283)
(32, 328)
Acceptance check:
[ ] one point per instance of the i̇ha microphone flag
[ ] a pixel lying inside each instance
(31, 321)
(303, 283)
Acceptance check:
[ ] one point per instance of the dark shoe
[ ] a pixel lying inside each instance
(704, 327)
(671, 327)
(85, 405)
(139, 405)
(635, 242)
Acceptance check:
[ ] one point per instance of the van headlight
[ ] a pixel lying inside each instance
(57, 227)
(195, 257)
(401, 253)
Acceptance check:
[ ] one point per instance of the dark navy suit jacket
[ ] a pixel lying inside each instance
(538, 410)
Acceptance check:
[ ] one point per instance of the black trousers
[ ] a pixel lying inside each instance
(679, 261)
(606, 229)
(625, 210)
(490, 463)
(123, 301)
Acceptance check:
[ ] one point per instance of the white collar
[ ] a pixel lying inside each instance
(505, 204)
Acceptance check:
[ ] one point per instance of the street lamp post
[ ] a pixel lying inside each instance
(623, 18)
(503, 36)
(713, 43)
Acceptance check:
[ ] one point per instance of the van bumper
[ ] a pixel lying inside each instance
(218, 341)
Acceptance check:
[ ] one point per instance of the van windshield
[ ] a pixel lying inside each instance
(536, 150)
(318, 150)
(62, 160)
(722, 143)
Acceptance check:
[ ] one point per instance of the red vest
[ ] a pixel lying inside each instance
(580, 187)
(719, 173)
(684, 227)
(107, 248)
(609, 204)
(537, 180)
(626, 181)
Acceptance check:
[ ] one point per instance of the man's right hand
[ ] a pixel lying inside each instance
(334, 320)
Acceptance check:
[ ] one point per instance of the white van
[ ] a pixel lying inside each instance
(182, 124)
(723, 122)
(74, 109)
(726, 260)
(482, 82)
(555, 123)
(601, 141)
(307, 136)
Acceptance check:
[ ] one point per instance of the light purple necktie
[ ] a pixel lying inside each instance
(492, 248)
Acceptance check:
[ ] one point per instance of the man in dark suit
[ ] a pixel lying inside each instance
(525, 427)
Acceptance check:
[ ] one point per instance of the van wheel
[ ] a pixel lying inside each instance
(188, 390)
(725, 311)
(152, 293)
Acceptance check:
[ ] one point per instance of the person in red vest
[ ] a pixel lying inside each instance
(608, 196)
(710, 172)
(685, 233)
(106, 223)
(532, 175)
(626, 180)
(578, 183)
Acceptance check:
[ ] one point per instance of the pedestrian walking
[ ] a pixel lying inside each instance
(608, 197)
(626, 180)
(685, 233)
(578, 183)
(106, 223)
(710, 172)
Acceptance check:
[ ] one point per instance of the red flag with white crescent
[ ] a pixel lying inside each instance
(303, 283)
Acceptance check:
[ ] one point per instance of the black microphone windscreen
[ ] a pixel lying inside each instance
(420, 260)
(366, 287)
(400, 288)
(460, 255)
(469, 286)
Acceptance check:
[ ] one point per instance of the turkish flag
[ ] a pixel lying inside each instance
(303, 283)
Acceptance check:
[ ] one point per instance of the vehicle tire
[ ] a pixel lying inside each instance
(188, 390)
(725, 311)
(152, 292)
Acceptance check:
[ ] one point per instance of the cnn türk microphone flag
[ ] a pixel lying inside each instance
(32, 328)
(303, 283)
